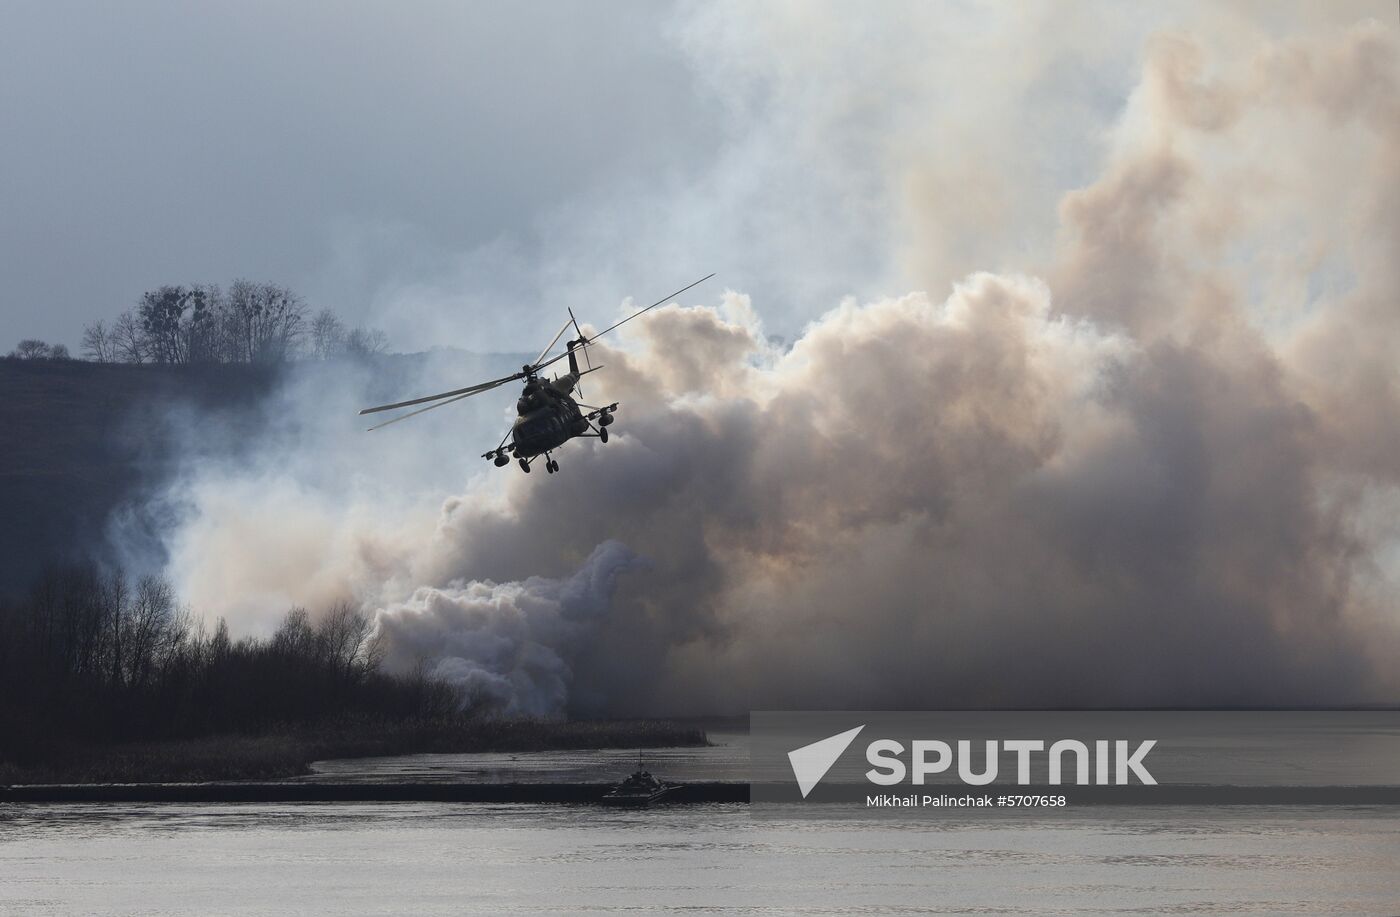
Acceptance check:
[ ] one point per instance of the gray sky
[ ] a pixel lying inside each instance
(335, 147)
(456, 173)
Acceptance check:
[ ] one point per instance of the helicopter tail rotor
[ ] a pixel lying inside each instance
(579, 343)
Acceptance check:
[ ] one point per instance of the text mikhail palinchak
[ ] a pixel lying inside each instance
(916, 800)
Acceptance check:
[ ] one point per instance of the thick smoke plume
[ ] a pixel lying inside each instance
(506, 646)
(1155, 462)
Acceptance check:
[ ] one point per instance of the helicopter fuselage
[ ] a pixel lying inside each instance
(547, 417)
(547, 428)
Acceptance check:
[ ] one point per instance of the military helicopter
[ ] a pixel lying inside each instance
(547, 414)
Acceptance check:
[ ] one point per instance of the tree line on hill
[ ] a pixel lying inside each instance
(248, 322)
(34, 349)
(90, 657)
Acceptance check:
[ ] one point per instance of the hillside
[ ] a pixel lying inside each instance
(78, 439)
(75, 444)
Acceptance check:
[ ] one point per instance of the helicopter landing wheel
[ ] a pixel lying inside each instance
(603, 434)
(525, 465)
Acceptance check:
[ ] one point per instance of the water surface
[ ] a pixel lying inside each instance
(358, 859)
(463, 859)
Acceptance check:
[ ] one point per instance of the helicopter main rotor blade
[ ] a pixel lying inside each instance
(461, 392)
(650, 307)
(551, 361)
(544, 353)
(586, 341)
(444, 398)
(420, 411)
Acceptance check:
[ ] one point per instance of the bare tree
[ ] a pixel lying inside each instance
(161, 312)
(163, 322)
(147, 630)
(32, 349)
(219, 646)
(366, 342)
(327, 335)
(81, 618)
(294, 638)
(268, 320)
(200, 332)
(128, 341)
(330, 338)
(99, 344)
(181, 325)
(345, 634)
(116, 599)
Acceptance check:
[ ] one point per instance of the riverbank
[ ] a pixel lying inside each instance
(775, 797)
(253, 792)
(290, 752)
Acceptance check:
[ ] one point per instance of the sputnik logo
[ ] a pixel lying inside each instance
(811, 762)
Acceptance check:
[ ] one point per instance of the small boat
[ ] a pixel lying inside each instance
(640, 789)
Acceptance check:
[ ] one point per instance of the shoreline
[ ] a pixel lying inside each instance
(1214, 796)
(576, 793)
(290, 753)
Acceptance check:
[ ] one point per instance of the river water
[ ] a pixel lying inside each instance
(353, 859)
(369, 859)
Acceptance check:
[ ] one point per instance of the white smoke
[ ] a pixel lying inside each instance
(1165, 473)
(506, 646)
